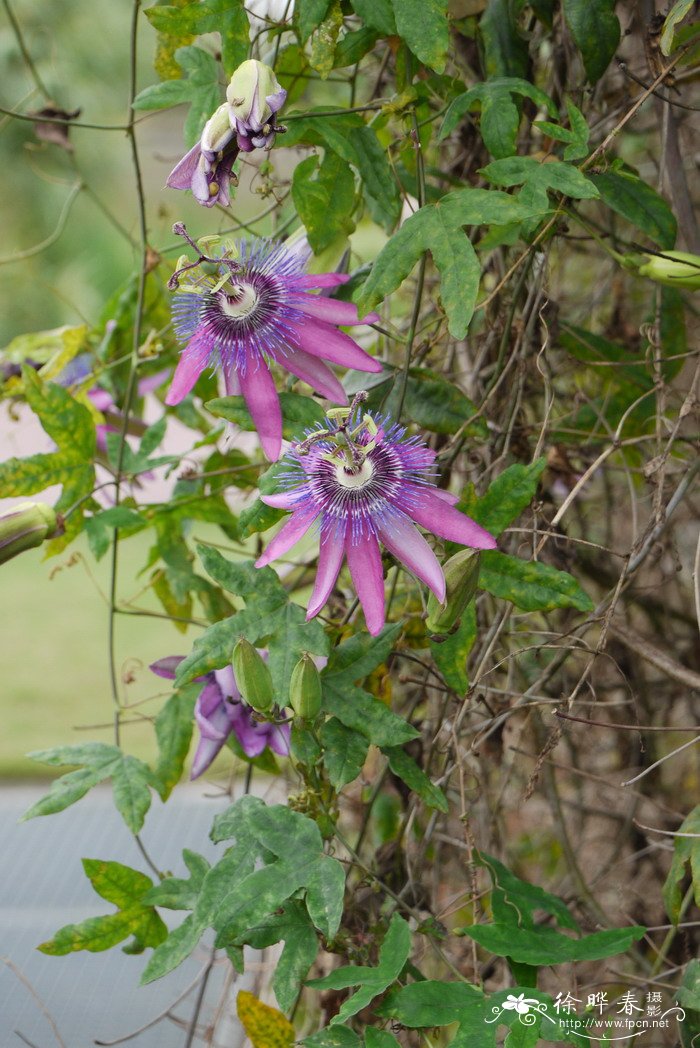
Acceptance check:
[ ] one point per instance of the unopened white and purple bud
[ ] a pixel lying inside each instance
(254, 98)
(246, 121)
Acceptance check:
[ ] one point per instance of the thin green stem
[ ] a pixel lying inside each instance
(132, 381)
(32, 119)
(28, 60)
(671, 933)
(420, 283)
(368, 107)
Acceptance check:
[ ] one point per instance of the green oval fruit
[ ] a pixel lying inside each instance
(305, 689)
(252, 676)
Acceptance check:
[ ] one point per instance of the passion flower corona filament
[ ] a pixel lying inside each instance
(364, 481)
(257, 312)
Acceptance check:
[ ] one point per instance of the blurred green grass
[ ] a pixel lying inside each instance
(53, 625)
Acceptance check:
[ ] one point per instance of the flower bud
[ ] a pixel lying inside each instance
(25, 527)
(305, 689)
(217, 132)
(461, 578)
(254, 96)
(674, 268)
(252, 676)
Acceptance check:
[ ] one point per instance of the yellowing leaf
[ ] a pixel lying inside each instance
(167, 44)
(47, 347)
(266, 1027)
(323, 48)
(73, 340)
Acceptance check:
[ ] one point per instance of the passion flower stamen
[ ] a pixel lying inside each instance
(354, 453)
(183, 266)
(377, 496)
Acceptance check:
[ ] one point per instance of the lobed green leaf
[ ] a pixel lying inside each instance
(530, 585)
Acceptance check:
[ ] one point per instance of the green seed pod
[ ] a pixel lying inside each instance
(461, 578)
(252, 676)
(305, 689)
(674, 268)
(25, 527)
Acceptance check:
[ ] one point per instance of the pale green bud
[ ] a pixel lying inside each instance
(25, 527)
(305, 689)
(674, 268)
(461, 578)
(252, 676)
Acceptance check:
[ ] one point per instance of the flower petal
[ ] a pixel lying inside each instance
(258, 389)
(232, 383)
(276, 100)
(410, 548)
(200, 182)
(365, 563)
(282, 500)
(181, 175)
(446, 496)
(150, 382)
(292, 531)
(314, 280)
(437, 516)
(329, 561)
(332, 310)
(226, 683)
(166, 667)
(101, 399)
(278, 739)
(252, 736)
(322, 340)
(207, 750)
(317, 374)
(213, 717)
(192, 362)
(211, 713)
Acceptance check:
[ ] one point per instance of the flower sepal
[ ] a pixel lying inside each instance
(673, 268)
(461, 579)
(26, 527)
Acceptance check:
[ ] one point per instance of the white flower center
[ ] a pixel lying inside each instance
(350, 480)
(238, 300)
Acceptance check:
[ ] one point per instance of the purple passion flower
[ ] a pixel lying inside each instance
(220, 712)
(259, 311)
(365, 482)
